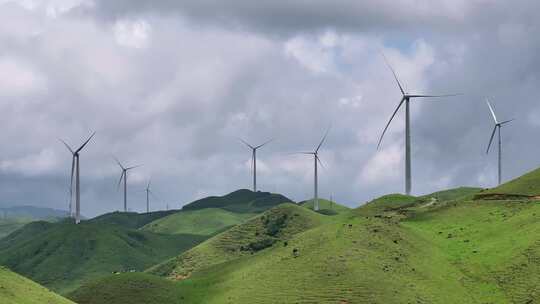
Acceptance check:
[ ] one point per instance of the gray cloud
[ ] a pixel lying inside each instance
(173, 85)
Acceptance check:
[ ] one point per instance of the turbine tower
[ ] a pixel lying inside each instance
(405, 99)
(75, 170)
(497, 127)
(124, 177)
(316, 161)
(254, 160)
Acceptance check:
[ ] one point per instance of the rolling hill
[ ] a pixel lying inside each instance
(240, 201)
(62, 256)
(16, 289)
(527, 185)
(395, 249)
(326, 207)
(13, 218)
(206, 221)
(267, 230)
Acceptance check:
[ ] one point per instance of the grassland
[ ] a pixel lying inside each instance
(396, 249)
(133, 288)
(325, 206)
(526, 185)
(7, 226)
(62, 256)
(15, 289)
(240, 201)
(199, 222)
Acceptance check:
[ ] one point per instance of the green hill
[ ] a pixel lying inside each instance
(241, 201)
(326, 207)
(13, 218)
(453, 194)
(62, 256)
(15, 289)
(130, 219)
(200, 222)
(270, 229)
(395, 249)
(527, 185)
(133, 288)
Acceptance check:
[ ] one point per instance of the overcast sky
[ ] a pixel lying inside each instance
(173, 84)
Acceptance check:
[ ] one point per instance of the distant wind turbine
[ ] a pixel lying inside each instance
(75, 170)
(317, 161)
(497, 127)
(124, 177)
(148, 192)
(406, 98)
(254, 160)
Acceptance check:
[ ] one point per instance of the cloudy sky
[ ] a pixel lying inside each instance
(173, 84)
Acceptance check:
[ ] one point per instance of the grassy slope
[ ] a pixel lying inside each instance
(201, 222)
(15, 289)
(133, 288)
(241, 201)
(460, 193)
(63, 256)
(275, 225)
(326, 206)
(7, 226)
(528, 184)
(396, 249)
(130, 219)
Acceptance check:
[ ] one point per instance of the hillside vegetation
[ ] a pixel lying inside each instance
(395, 249)
(272, 228)
(13, 218)
(62, 256)
(526, 185)
(242, 201)
(326, 207)
(15, 289)
(200, 222)
(132, 288)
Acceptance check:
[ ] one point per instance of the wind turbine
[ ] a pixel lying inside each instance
(124, 177)
(148, 192)
(497, 127)
(317, 161)
(254, 160)
(75, 170)
(405, 99)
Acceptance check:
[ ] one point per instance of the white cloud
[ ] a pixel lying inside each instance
(18, 77)
(135, 34)
(384, 166)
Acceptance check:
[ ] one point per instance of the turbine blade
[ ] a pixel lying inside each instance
(393, 72)
(245, 143)
(506, 121)
(86, 142)
(120, 180)
(129, 168)
(118, 162)
(322, 140)
(492, 112)
(434, 96)
(67, 146)
(319, 161)
(491, 139)
(267, 142)
(388, 124)
(309, 153)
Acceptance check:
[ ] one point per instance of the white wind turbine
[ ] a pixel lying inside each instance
(316, 161)
(497, 127)
(124, 177)
(75, 170)
(406, 98)
(254, 160)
